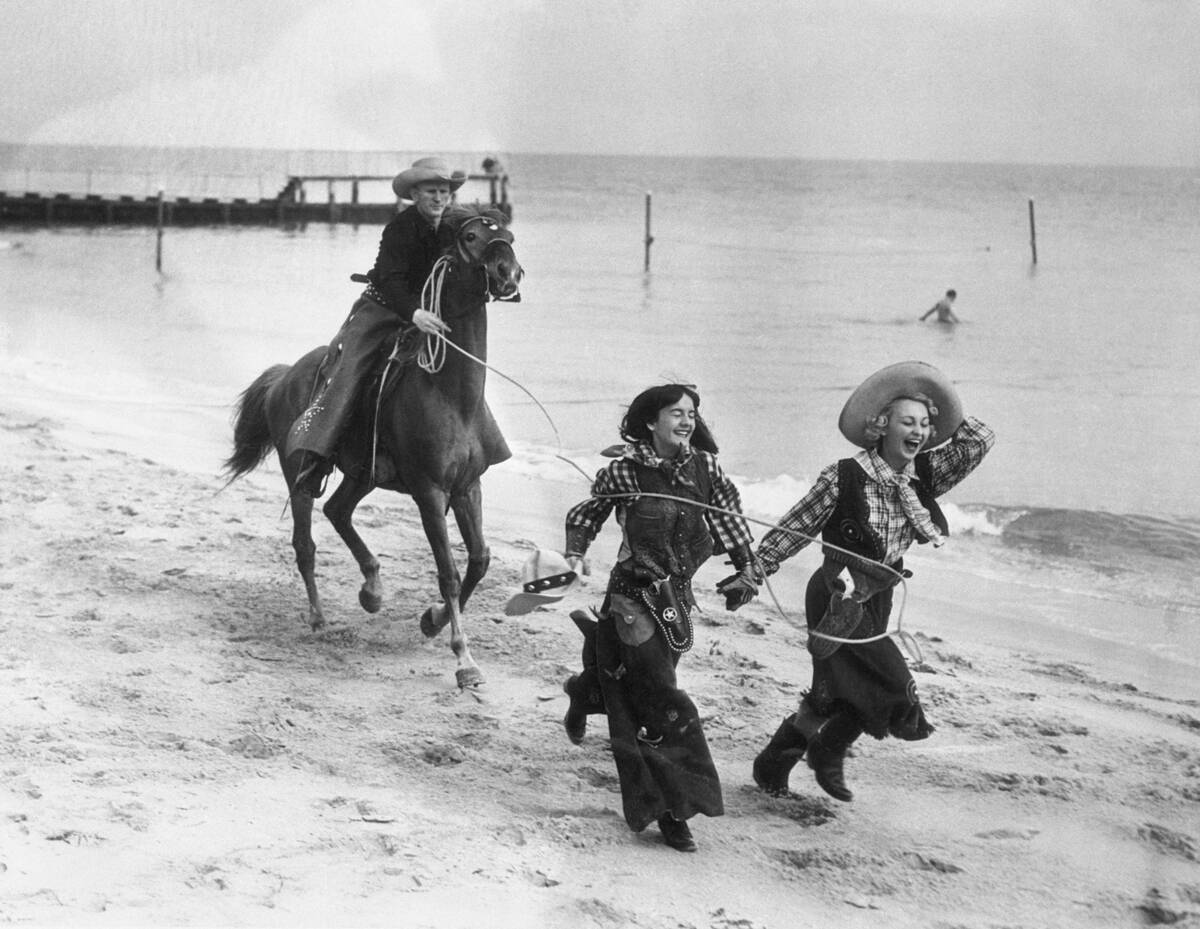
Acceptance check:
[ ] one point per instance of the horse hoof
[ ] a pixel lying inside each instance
(316, 621)
(434, 620)
(468, 677)
(369, 600)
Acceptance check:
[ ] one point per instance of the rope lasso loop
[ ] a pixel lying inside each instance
(904, 636)
(899, 632)
(432, 354)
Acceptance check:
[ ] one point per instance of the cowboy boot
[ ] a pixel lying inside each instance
(676, 833)
(775, 762)
(583, 688)
(827, 752)
(582, 702)
(311, 479)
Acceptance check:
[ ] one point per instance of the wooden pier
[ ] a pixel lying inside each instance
(292, 206)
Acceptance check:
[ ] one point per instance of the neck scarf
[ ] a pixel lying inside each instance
(674, 467)
(914, 511)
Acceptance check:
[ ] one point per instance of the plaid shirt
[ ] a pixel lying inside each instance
(620, 477)
(950, 463)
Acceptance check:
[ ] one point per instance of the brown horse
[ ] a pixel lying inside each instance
(436, 435)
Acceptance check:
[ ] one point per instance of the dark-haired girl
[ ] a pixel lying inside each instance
(643, 625)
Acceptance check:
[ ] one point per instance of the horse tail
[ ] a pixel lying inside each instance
(251, 428)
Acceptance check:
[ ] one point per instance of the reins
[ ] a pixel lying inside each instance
(906, 638)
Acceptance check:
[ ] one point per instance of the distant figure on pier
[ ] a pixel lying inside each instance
(408, 248)
(944, 309)
(492, 165)
(291, 190)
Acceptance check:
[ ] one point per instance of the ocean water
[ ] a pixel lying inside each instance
(774, 285)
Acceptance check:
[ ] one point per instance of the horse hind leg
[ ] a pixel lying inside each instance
(433, 518)
(306, 553)
(339, 509)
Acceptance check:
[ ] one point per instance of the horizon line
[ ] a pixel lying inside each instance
(579, 154)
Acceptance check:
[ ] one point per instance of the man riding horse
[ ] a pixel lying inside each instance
(408, 248)
(432, 420)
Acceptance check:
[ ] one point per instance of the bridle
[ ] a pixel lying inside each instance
(433, 352)
(469, 257)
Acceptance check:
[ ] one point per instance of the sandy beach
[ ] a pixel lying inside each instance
(180, 749)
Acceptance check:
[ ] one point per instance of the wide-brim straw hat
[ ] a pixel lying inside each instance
(905, 379)
(545, 578)
(426, 169)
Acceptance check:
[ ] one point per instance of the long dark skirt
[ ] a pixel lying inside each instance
(662, 757)
(352, 354)
(871, 680)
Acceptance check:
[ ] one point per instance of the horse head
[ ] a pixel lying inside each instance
(483, 241)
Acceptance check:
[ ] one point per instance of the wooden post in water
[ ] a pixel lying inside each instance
(158, 246)
(649, 237)
(1032, 232)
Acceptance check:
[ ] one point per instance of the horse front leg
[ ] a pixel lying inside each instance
(468, 513)
(433, 517)
(339, 509)
(306, 555)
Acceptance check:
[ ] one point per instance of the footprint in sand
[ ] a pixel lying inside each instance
(1169, 842)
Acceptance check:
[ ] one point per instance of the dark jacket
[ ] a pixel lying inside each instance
(408, 248)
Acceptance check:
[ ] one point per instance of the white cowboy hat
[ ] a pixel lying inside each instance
(426, 169)
(545, 578)
(905, 379)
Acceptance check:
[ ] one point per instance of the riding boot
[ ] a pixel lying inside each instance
(583, 688)
(775, 762)
(584, 691)
(827, 752)
(311, 479)
(676, 833)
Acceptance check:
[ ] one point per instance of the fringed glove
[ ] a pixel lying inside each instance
(739, 589)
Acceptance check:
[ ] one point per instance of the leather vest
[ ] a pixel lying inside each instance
(668, 534)
(848, 525)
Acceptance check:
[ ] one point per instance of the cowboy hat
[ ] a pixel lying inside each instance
(426, 169)
(905, 379)
(545, 578)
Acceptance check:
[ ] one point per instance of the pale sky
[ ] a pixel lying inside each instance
(1067, 81)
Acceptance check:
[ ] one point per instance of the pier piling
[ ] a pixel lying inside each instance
(649, 237)
(158, 245)
(1032, 232)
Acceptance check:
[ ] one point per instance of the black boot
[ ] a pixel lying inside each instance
(311, 479)
(775, 762)
(575, 721)
(583, 688)
(827, 752)
(675, 832)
